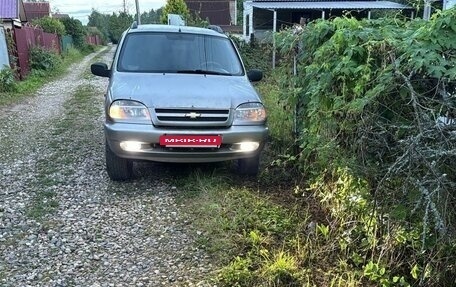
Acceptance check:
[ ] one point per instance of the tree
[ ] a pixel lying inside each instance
(151, 17)
(100, 21)
(118, 24)
(175, 7)
(75, 29)
(50, 25)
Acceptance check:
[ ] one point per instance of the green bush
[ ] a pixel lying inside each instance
(370, 97)
(88, 48)
(74, 28)
(43, 60)
(50, 25)
(7, 81)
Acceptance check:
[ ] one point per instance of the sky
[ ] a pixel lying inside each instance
(81, 9)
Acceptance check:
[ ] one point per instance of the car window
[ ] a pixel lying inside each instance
(178, 52)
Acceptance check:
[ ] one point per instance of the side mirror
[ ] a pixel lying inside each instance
(100, 69)
(255, 75)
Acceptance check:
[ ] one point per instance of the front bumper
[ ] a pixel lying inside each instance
(118, 132)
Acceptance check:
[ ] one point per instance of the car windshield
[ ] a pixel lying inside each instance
(178, 53)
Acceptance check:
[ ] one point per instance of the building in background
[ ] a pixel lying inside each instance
(12, 13)
(260, 16)
(222, 13)
(36, 10)
(60, 15)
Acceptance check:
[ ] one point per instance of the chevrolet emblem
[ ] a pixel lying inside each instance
(192, 115)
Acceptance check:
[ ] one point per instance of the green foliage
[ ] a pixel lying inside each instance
(50, 25)
(7, 81)
(118, 23)
(237, 273)
(100, 22)
(280, 270)
(75, 29)
(196, 21)
(151, 17)
(174, 7)
(240, 228)
(366, 99)
(37, 78)
(255, 55)
(43, 60)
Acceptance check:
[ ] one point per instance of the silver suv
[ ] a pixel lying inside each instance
(180, 94)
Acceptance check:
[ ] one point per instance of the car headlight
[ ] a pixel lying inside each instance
(250, 113)
(129, 111)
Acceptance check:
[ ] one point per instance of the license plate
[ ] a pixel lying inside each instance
(191, 141)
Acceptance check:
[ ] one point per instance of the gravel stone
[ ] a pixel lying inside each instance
(95, 232)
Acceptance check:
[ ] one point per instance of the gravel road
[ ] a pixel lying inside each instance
(62, 221)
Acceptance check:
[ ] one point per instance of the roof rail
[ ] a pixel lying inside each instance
(215, 28)
(134, 25)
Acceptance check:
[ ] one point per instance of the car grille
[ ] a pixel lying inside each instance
(189, 116)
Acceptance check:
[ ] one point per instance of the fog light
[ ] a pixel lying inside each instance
(131, 146)
(248, 146)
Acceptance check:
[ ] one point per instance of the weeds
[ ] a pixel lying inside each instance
(7, 81)
(374, 161)
(50, 68)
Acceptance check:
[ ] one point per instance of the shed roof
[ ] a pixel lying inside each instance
(12, 9)
(9, 9)
(35, 10)
(218, 12)
(277, 5)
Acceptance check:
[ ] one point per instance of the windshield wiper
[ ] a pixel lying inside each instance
(203, 72)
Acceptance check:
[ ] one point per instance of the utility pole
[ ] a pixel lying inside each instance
(138, 14)
(125, 6)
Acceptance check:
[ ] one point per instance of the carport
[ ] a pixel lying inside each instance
(263, 15)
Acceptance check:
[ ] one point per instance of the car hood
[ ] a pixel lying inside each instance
(183, 90)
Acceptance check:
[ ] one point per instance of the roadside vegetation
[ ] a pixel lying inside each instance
(358, 181)
(45, 66)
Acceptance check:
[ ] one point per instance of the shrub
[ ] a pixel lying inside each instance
(375, 109)
(43, 60)
(7, 81)
(50, 25)
(75, 29)
(88, 48)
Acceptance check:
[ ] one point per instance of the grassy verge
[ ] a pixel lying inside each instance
(243, 229)
(53, 169)
(285, 230)
(37, 79)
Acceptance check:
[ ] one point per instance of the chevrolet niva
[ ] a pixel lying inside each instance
(180, 94)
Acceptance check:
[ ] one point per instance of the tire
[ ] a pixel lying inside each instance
(119, 169)
(248, 166)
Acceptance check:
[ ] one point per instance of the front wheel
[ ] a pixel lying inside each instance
(248, 166)
(119, 169)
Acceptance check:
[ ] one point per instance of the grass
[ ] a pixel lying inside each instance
(260, 236)
(50, 172)
(270, 231)
(44, 203)
(245, 230)
(284, 230)
(36, 79)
